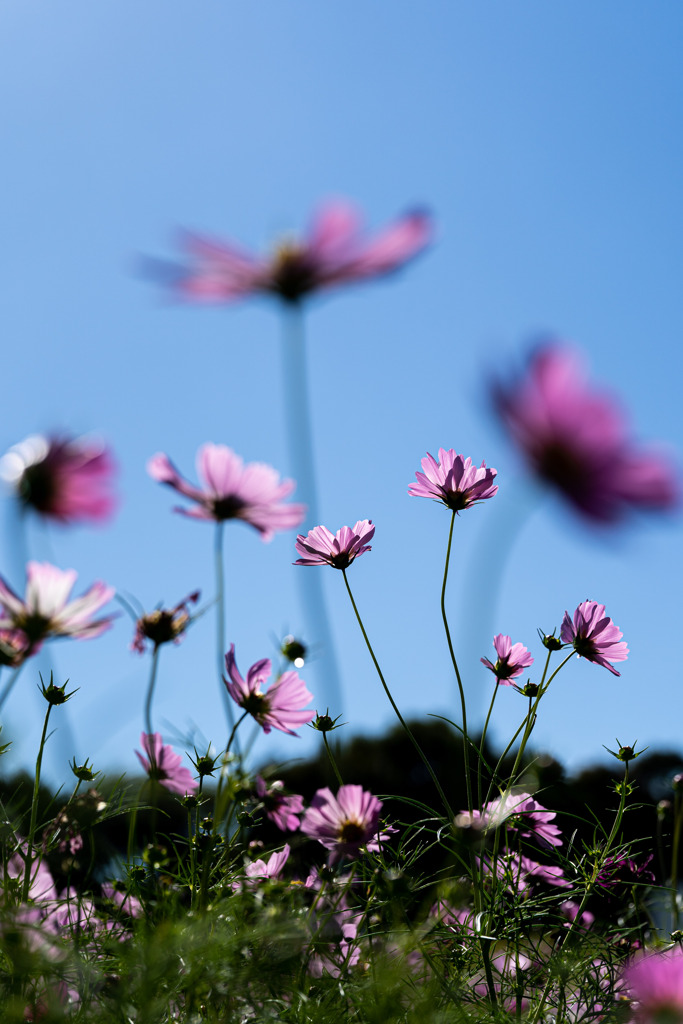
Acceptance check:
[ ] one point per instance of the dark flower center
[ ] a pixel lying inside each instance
(163, 626)
(292, 273)
(35, 626)
(36, 486)
(341, 561)
(585, 647)
(228, 507)
(256, 704)
(351, 832)
(563, 467)
(503, 669)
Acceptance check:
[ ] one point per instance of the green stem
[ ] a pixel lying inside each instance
(150, 690)
(333, 762)
(466, 752)
(218, 809)
(678, 821)
(34, 808)
(531, 717)
(398, 714)
(10, 685)
(220, 623)
(482, 741)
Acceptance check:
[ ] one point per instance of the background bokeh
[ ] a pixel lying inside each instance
(545, 138)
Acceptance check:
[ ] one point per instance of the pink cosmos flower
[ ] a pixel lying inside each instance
(453, 480)
(282, 810)
(320, 547)
(64, 478)
(165, 766)
(279, 708)
(46, 610)
(654, 981)
(577, 440)
(511, 662)
(259, 870)
(334, 252)
(163, 625)
(594, 636)
(253, 493)
(346, 823)
(518, 811)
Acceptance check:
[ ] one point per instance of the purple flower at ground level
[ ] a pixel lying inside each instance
(321, 547)
(253, 493)
(511, 662)
(594, 636)
(279, 708)
(46, 610)
(163, 765)
(282, 810)
(163, 625)
(334, 252)
(259, 870)
(64, 478)
(577, 440)
(654, 981)
(346, 823)
(453, 480)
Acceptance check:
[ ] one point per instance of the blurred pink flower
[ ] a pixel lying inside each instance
(454, 481)
(654, 981)
(69, 479)
(260, 870)
(334, 252)
(320, 547)
(14, 647)
(511, 662)
(346, 823)
(280, 707)
(163, 765)
(253, 493)
(577, 439)
(163, 625)
(594, 636)
(46, 610)
(283, 810)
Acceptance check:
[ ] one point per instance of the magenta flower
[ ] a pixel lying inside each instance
(163, 765)
(253, 493)
(526, 816)
(346, 823)
(511, 661)
(654, 981)
(279, 708)
(283, 810)
(576, 439)
(453, 480)
(320, 547)
(69, 479)
(594, 636)
(260, 870)
(335, 252)
(163, 625)
(46, 610)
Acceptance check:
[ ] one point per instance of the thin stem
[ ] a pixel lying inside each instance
(299, 433)
(466, 752)
(150, 690)
(678, 821)
(398, 714)
(333, 761)
(531, 717)
(220, 622)
(10, 685)
(34, 808)
(218, 809)
(482, 741)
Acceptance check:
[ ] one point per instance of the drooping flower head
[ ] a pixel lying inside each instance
(253, 493)
(577, 439)
(281, 808)
(594, 636)
(46, 610)
(334, 252)
(279, 708)
(321, 547)
(654, 981)
(261, 870)
(63, 478)
(344, 824)
(163, 625)
(511, 662)
(453, 480)
(163, 765)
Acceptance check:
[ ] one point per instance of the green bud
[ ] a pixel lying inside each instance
(83, 772)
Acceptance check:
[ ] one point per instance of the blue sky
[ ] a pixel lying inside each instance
(545, 139)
